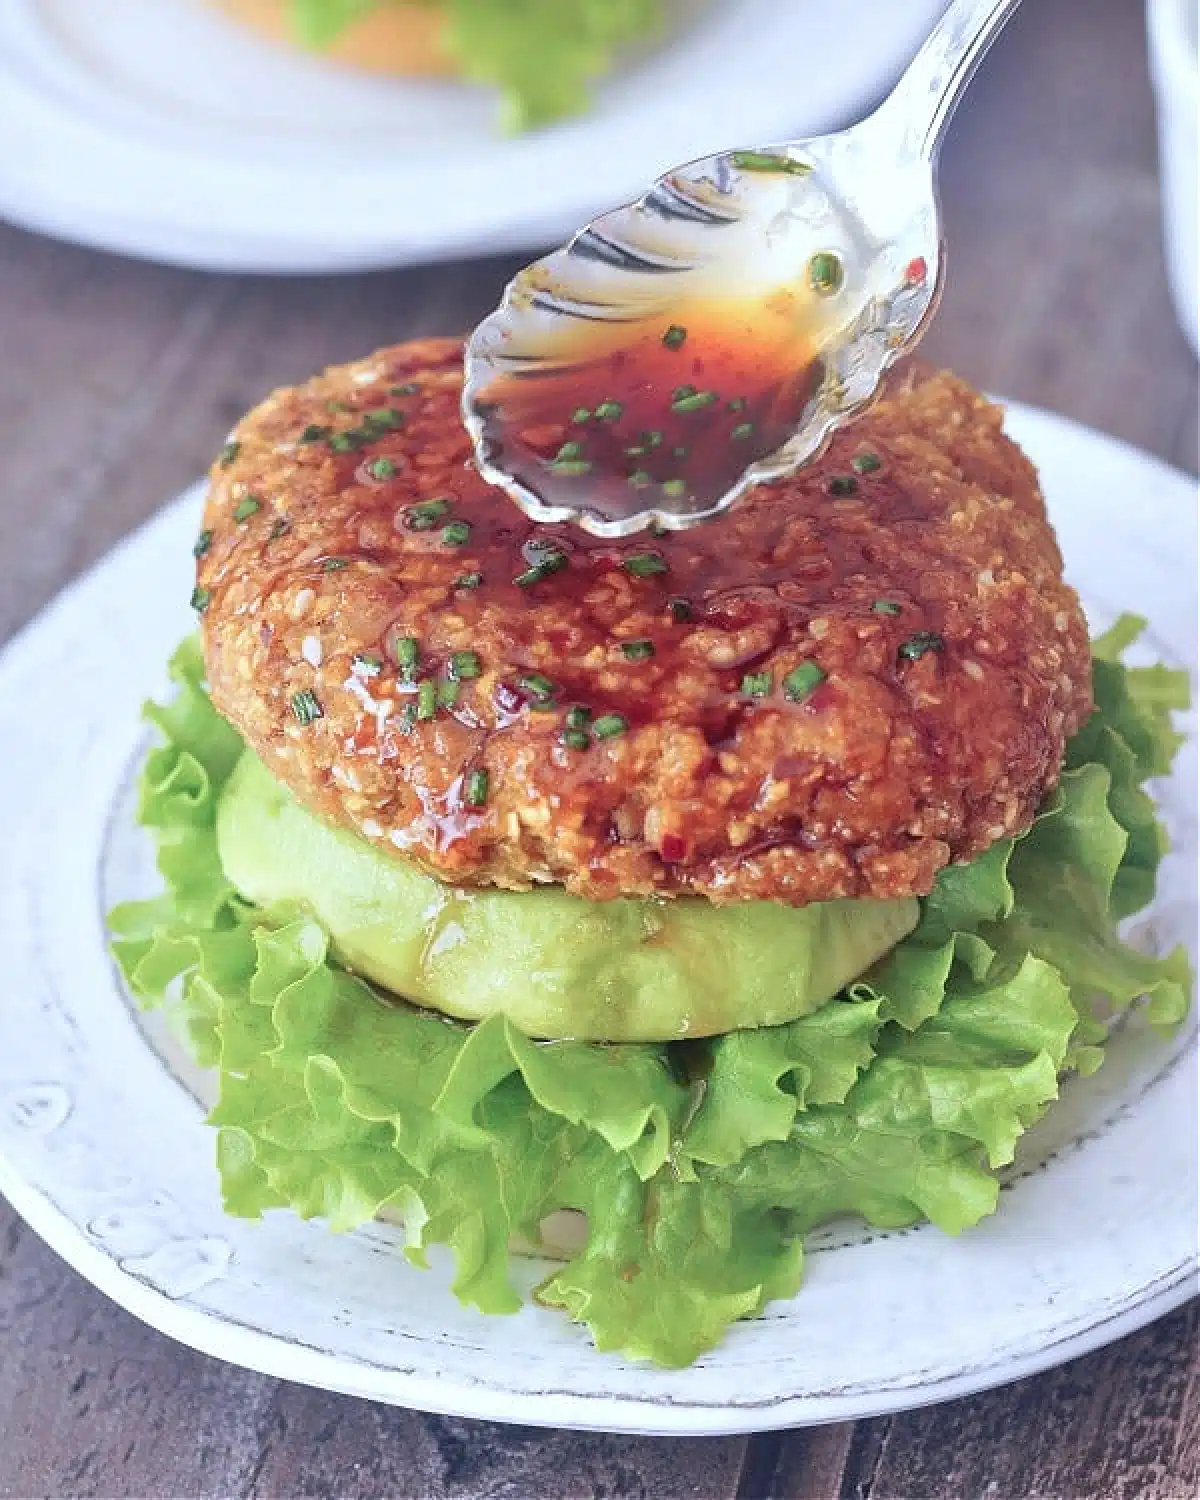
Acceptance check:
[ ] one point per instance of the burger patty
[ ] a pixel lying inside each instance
(856, 676)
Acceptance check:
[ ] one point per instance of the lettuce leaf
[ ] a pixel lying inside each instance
(699, 1166)
(541, 54)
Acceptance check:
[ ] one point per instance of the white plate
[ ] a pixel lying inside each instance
(156, 128)
(103, 1150)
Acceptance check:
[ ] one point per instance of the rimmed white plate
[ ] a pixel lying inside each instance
(103, 1150)
(159, 129)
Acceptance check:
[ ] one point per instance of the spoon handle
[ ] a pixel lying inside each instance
(921, 104)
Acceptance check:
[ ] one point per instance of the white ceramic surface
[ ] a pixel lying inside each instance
(103, 1150)
(1175, 69)
(156, 128)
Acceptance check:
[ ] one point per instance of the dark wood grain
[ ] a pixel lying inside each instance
(118, 380)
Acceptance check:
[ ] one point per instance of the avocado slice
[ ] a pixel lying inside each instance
(556, 965)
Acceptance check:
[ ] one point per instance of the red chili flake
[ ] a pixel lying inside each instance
(916, 271)
(672, 848)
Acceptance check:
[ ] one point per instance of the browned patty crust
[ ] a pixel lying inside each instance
(913, 566)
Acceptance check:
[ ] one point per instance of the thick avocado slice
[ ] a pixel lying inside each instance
(556, 965)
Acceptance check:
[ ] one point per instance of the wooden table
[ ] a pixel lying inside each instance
(116, 384)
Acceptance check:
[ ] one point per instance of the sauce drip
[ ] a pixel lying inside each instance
(670, 410)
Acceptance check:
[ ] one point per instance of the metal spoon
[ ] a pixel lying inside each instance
(819, 260)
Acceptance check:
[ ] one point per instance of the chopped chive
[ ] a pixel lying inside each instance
(465, 664)
(448, 691)
(383, 418)
(347, 442)
(578, 716)
(408, 654)
(609, 726)
(645, 564)
(637, 650)
(886, 607)
(468, 581)
(843, 484)
(637, 451)
(202, 544)
(675, 336)
(408, 718)
(769, 161)
(682, 392)
(477, 788)
(802, 680)
(382, 468)
(335, 564)
(538, 685)
(333, 407)
(201, 599)
(866, 463)
(697, 401)
(576, 739)
(368, 663)
(571, 468)
(640, 479)
(675, 488)
(739, 403)
(403, 390)
(742, 432)
(306, 707)
(228, 453)
(567, 452)
(549, 562)
(681, 610)
(756, 684)
(826, 273)
(315, 433)
(652, 437)
(580, 415)
(457, 534)
(609, 411)
(917, 645)
(246, 508)
(425, 515)
(427, 698)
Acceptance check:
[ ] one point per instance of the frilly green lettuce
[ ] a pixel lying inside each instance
(699, 1165)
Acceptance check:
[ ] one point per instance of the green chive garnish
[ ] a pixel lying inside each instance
(457, 534)
(447, 692)
(201, 599)
(306, 707)
(465, 664)
(652, 437)
(314, 433)
(640, 479)
(675, 336)
(408, 654)
(425, 515)
(408, 718)
(477, 788)
(886, 607)
(576, 739)
(739, 403)
(802, 680)
(826, 273)
(246, 508)
(567, 452)
(742, 432)
(427, 698)
(383, 418)
(645, 564)
(202, 544)
(866, 463)
(347, 442)
(403, 390)
(382, 468)
(335, 564)
(549, 562)
(842, 484)
(609, 726)
(675, 487)
(756, 684)
(681, 610)
(609, 411)
(571, 468)
(368, 663)
(637, 650)
(580, 415)
(697, 401)
(468, 581)
(578, 716)
(538, 685)
(228, 453)
(917, 645)
(769, 161)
